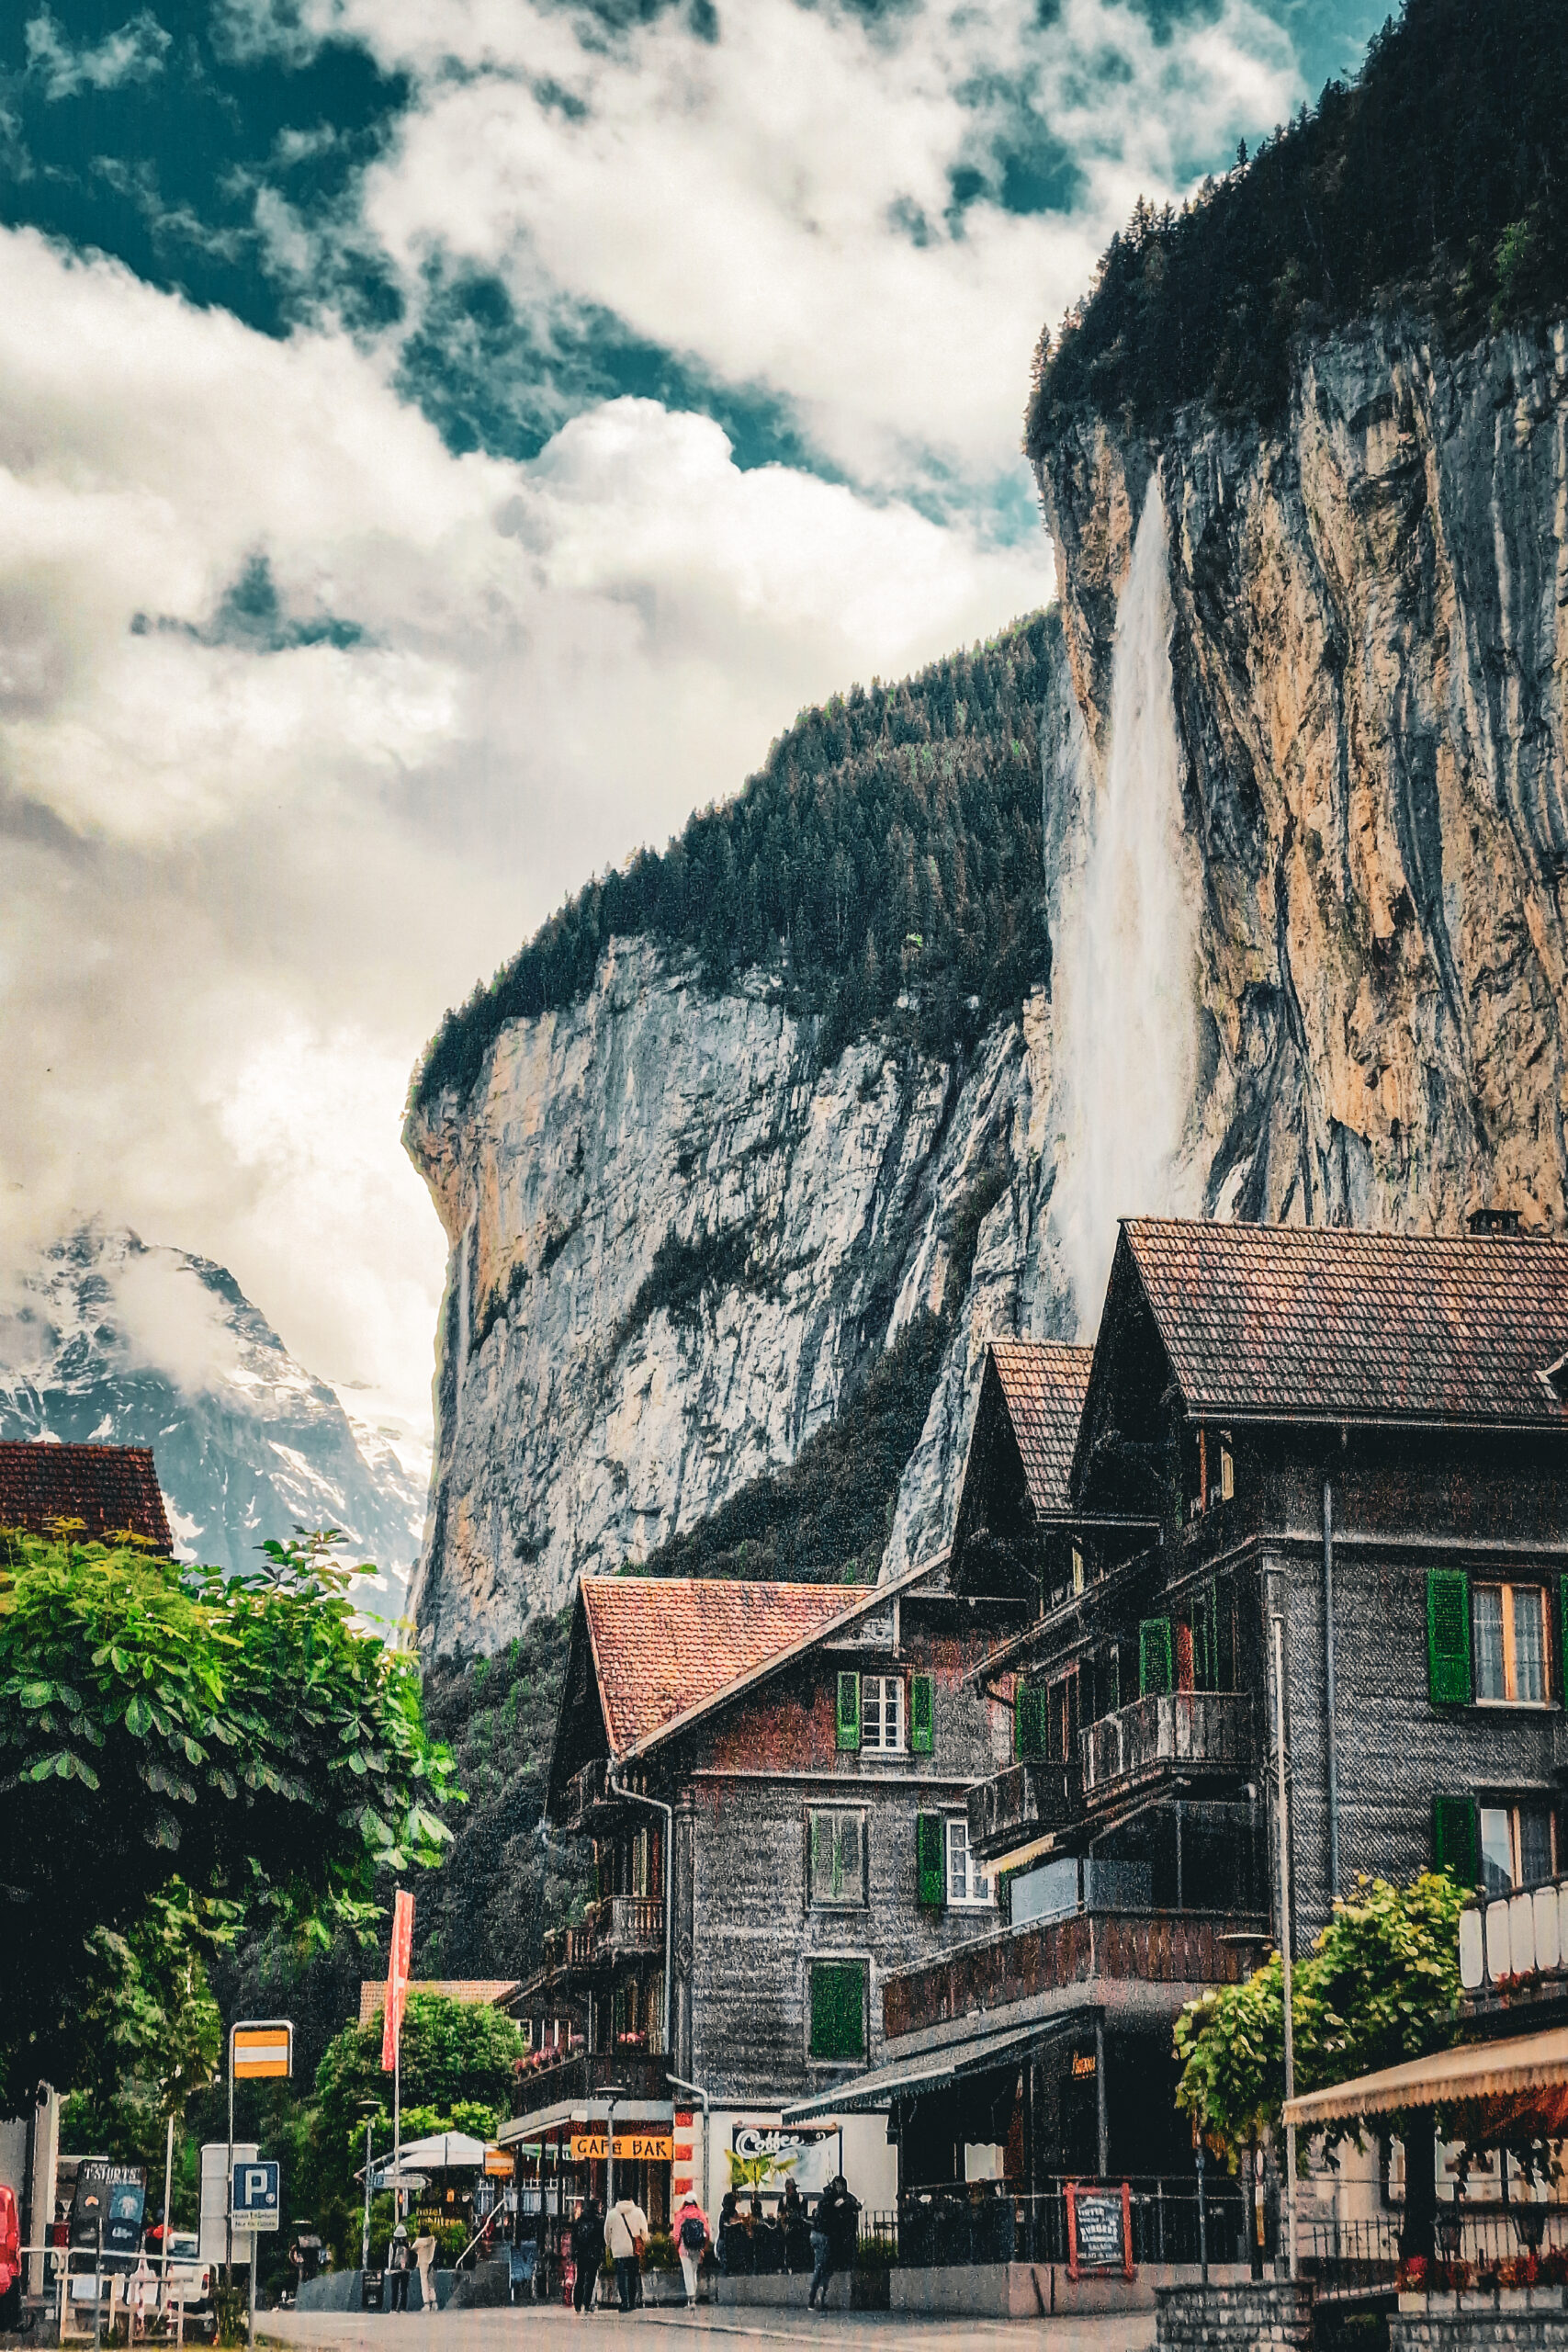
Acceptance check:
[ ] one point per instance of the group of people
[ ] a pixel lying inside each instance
(623, 2232)
(403, 2260)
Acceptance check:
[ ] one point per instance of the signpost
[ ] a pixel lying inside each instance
(255, 2202)
(1099, 2231)
(260, 2050)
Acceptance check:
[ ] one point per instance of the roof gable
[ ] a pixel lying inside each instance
(1044, 1384)
(110, 1488)
(1307, 1323)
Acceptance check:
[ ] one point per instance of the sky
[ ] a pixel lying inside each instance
(442, 444)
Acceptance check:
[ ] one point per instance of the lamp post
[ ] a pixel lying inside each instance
(368, 2108)
(1285, 1931)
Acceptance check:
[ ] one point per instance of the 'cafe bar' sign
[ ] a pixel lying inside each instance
(631, 2147)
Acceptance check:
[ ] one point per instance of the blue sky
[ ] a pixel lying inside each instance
(441, 443)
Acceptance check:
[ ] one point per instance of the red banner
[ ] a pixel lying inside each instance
(396, 1979)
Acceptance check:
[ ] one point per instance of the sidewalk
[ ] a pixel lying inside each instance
(525, 2324)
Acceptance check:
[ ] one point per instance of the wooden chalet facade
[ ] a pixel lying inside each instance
(775, 1782)
(1365, 1436)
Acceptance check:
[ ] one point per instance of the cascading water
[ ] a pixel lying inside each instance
(1124, 979)
(464, 1256)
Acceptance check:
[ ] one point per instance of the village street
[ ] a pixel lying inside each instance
(514, 2331)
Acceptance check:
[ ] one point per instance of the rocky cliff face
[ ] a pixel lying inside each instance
(1370, 628)
(1305, 839)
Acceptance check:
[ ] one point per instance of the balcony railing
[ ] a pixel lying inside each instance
(1028, 1801)
(1515, 1948)
(630, 1923)
(1178, 1731)
(1175, 1948)
(580, 2074)
(589, 1800)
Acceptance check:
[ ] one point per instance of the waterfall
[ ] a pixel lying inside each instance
(1124, 975)
(464, 1256)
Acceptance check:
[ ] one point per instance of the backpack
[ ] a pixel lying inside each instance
(693, 2235)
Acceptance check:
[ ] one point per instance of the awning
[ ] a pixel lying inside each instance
(931, 2070)
(1534, 2068)
(628, 2111)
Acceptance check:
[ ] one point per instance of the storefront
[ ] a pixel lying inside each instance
(566, 2153)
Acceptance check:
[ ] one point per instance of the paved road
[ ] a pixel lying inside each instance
(551, 2329)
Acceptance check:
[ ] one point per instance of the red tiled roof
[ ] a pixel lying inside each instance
(108, 1488)
(477, 1992)
(1044, 1384)
(663, 1644)
(1318, 1322)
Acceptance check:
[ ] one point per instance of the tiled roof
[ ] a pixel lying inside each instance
(1044, 1384)
(663, 1644)
(108, 1488)
(478, 1992)
(1319, 1322)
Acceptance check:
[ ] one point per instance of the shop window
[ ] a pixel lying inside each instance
(836, 1873)
(1509, 1624)
(881, 1715)
(1519, 1846)
(838, 2010)
(968, 1886)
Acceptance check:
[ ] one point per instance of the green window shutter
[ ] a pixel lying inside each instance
(929, 1860)
(1447, 1637)
(1155, 1675)
(922, 1713)
(1454, 1839)
(849, 1710)
(1030, 1721)
(838, 2008)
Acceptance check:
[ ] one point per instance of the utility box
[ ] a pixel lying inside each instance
(215, 2201)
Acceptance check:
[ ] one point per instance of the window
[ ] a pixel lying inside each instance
(1078, 1569)
(838, 2003)
(836, 1860)
(966, 1884)
(1518, 1846)
(882, 1714)
(1510, 1643)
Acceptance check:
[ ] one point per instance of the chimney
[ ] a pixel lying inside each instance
(1494, 1224)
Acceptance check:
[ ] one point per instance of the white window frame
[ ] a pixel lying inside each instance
(1508, 1696)
(884, 1685)
(961, 1894)
(1511, 1812)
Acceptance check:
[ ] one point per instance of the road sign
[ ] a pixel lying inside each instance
(259, 2050)
(257, 2194)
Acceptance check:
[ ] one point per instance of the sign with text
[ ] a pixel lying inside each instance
(1099, 2231)
(114, 2195)
(811, 2158)
(259, 2052)
(631, 2147)
(257, 2194)
(498, 2164)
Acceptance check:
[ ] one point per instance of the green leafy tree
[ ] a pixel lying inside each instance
(1380, 1985)
(172, 1739)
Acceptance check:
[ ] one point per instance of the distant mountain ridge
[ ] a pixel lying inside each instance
(107, 1340)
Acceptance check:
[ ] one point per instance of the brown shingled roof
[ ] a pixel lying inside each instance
(475, 1992)
(1321, 1323)
(1044, 1384)
(663, 1644)
(108, 1488)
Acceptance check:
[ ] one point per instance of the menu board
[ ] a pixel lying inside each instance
(1099, 2231)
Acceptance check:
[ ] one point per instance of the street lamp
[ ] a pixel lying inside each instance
(369, 2108)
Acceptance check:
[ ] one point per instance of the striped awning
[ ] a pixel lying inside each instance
(1531, 2069)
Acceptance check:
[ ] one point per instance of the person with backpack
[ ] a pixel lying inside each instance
(587, 2253)
(833, 2235)
(692, 2236)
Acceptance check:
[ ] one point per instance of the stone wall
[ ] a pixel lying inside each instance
(1470, 2330)
(1254, 2318)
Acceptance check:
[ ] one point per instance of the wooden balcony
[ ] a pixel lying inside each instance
(589, 1802)
(1179, 1949)
(1178, 1734)
(580, 2074)
(1028, 1801)
(630, 1923)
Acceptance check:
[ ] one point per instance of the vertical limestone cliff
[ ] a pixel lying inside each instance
(1371, 629)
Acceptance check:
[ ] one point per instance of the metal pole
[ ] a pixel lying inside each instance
(398, 2123)
(1202, 2219)
(229, 2182)
(98, 2287)
(1330, 1737)
(610, 2157)
(1285, 1931)
(365, 2234)
(1103, 2117)
(168, 2200)
(251, 2338)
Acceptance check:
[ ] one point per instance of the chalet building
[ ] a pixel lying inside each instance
(106, 1490)
(775, 1781)
(1363, 1439)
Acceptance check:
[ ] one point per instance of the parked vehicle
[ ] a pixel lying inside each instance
(10, 2261)
(189, 2278)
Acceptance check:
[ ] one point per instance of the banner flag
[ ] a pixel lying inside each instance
(396, 1979)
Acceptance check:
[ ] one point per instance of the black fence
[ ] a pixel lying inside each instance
(942, 2228)
(1359, 2261)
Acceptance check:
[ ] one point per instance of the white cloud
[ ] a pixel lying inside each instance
(133, 53)
(239, 887)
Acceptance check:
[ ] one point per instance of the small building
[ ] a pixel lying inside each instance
(774, 1778)
(1361, 1439)
(475, 1992)
(107, 1490)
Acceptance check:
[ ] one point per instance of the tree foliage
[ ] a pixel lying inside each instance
(1435, 182)
(889, 847)
(1380, 1985)
(171, 1739)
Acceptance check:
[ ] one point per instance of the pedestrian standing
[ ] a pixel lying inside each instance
(587, 2253)
(425, 2263)
(692, 2236)
(833, 2233)
(398, 2269)
(626, 2232)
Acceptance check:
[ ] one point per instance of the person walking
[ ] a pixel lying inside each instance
(587, 2253)
(425, 2263)
(626, 2234)
(692, 2236)
(398, 2269)
(832, 2238)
